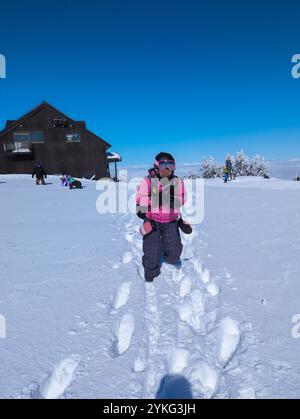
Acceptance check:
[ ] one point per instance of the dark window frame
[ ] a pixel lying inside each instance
(28, 134)
(40, 141)
(60, 123)
(20, 133)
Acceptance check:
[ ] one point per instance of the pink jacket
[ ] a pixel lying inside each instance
(151, 193)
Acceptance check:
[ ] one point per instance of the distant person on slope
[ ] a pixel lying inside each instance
(159, 199)
(229, 167)
(225, 174)
(39, 173)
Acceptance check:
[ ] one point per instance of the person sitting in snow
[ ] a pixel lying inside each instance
(159, 199)
(73, 183)
(39, 173)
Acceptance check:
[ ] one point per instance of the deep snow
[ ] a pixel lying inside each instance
(81, 322)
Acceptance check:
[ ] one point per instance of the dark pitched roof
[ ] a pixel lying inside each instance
(11, 125)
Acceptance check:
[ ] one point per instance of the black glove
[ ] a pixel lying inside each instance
(185, 227)
(141, 212)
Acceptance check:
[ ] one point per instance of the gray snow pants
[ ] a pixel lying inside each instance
(163, 242)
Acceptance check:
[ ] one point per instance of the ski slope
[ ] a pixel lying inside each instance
(82, 323)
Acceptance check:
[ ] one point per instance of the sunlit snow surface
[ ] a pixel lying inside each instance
(81, 322)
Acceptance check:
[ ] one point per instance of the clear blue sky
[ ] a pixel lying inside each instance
(185, 76)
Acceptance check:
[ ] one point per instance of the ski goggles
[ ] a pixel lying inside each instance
(166, 164)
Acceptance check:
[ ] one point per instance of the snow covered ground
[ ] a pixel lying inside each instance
(82, 323)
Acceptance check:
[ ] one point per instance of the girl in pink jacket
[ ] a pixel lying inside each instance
(159, 199)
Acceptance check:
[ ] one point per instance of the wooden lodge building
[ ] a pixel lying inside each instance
(59, 143)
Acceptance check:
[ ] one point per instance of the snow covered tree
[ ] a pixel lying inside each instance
(259, 167)
(241, 164)
(210, 168)
(194, 175)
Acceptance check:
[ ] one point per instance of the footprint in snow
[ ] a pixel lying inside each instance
(229, 335)
(60, 379)
(124, 334)
(204, 379)
(121, 296)
(211, 286)
(178, 360)
(192, 311)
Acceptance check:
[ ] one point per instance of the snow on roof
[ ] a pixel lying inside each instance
(22, 150)
(112, 156)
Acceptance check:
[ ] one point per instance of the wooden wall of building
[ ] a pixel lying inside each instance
(80, 159)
